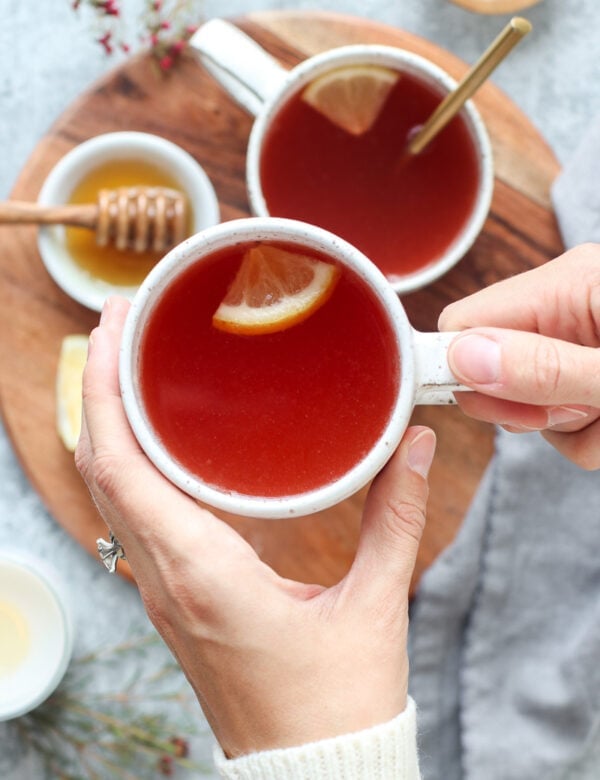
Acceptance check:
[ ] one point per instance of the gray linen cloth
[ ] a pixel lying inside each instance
(505, 627)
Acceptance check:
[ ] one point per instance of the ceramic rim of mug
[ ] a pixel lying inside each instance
(204, 244)
(403, 61)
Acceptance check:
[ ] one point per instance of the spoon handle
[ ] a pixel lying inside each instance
(514, 31)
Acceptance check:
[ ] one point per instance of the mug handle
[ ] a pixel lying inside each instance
(435, 383)
(248, 73)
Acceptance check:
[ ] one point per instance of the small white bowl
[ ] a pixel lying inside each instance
(37, 635)
(66, 174)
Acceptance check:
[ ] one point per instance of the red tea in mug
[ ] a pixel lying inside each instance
(274, 414)
(403, 213)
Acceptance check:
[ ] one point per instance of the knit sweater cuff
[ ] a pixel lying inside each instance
(377, 753)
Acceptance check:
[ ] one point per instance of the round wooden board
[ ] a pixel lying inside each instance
(189, 108)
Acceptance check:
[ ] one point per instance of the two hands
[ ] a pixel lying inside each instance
(277, 663)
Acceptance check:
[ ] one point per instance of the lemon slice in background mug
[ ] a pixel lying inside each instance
(353, 96)
(71, 361)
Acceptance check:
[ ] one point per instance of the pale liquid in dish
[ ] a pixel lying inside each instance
(15, 640)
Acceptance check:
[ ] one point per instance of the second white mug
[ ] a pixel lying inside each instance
(426, 228)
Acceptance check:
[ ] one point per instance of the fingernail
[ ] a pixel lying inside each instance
(475, 359)
(559, 415)
(420, 453)
(520, 428)
(105, 314)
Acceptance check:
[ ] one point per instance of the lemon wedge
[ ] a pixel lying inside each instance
(69, 376)
(353, 96)
(274, 289)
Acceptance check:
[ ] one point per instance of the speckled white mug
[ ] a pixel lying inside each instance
(425, 377)
(262, 86)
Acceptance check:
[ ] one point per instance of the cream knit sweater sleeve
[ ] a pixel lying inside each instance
(384, 752)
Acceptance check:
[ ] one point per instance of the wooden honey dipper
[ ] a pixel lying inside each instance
(137, 218)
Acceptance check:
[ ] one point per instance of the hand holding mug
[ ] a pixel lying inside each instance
(273, 662)
(531, 351)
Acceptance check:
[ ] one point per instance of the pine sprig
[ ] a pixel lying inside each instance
(125, 713)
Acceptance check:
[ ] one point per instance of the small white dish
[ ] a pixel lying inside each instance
(36, 634)
(64, 177)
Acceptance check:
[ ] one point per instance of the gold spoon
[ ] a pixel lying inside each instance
(514, 31)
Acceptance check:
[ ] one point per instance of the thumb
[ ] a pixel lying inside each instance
(526, 367)
(394, 518)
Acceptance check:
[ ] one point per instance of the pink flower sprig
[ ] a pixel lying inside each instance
(165, 26)
(107, 23)
(169, 26)
(180, 749)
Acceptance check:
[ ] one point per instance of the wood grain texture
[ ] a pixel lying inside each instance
(189, 108)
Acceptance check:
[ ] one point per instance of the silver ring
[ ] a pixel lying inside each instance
(110, 552)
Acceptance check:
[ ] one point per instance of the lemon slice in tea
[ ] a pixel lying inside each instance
(71, 361)
(274, 289)
(353, 96)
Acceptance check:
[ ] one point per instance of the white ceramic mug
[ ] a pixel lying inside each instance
(424, 375)
(262, 86)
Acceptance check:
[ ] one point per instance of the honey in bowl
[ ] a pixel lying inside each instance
(118, 267)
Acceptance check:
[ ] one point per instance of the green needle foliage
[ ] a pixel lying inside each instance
(125, 712)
